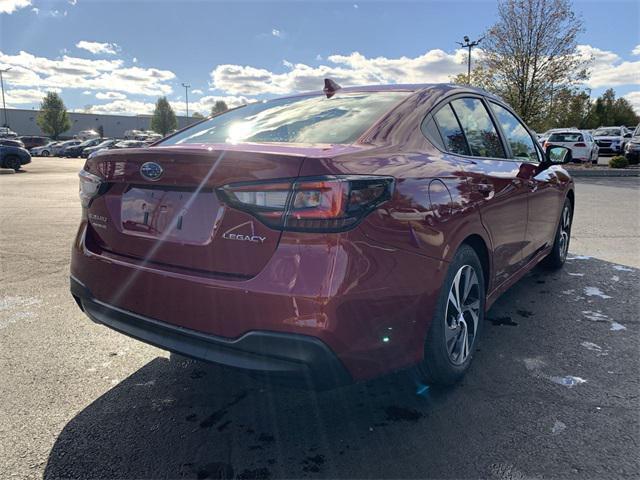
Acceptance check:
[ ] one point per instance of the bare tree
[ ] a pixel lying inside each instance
(531, 52)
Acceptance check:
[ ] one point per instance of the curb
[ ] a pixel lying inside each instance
(608, 172)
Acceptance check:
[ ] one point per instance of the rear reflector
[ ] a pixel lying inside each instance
(317, 204)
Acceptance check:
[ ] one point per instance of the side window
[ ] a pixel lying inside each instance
(521, 143)
(430, 130)
(478, 127)
(451, 132)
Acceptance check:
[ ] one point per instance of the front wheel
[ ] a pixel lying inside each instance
(45, 153)
(457, 321)
(12, 162)
(558, 254)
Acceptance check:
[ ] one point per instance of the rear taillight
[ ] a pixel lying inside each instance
(91, 186)
(544, 145)
(318, 204)
(580, 144)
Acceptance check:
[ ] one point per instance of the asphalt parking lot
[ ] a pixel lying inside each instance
(553, 391)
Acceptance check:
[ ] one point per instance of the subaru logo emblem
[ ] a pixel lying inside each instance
(151, 171)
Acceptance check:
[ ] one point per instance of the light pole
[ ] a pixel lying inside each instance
(468, 44)
(186, 95)
(4, 105)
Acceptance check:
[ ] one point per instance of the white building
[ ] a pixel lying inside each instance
(23, 122)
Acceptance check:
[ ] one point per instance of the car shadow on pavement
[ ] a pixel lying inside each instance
(555, 371)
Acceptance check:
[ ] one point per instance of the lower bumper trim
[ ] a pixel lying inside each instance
(298, 358)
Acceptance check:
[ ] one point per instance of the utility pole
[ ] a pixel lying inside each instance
(4, 105)
(186, 95)
(469, 45)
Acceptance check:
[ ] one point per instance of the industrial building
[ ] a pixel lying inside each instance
(23, 122)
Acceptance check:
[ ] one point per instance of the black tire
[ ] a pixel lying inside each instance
(45, 153)
(13, 162)
(439, 365)
(558, 255)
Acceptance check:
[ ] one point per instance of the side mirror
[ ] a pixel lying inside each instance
(557, 155)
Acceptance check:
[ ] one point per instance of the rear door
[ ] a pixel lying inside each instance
(497, 186)
(544, 188)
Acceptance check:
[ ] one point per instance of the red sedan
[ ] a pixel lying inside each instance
(327, 237)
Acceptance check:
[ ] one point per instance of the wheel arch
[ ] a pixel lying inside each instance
(478, 244)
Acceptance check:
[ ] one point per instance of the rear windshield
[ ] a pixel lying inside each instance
(341, 119)
(565, 137)
(607, 132)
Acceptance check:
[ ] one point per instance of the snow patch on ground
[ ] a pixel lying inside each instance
(615, 326)
(621, 268)
(580, 257)
(595, 292)
(568, 381)
(558, 427)
(576, 274)
(16, 308)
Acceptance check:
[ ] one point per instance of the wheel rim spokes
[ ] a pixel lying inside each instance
(565, 228)
(462, 314)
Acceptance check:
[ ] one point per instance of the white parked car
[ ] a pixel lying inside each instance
(44, 150)
(87, 135)
(581, 143)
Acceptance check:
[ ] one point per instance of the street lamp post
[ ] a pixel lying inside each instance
(186, 96)
(4, 105)
(468, 44)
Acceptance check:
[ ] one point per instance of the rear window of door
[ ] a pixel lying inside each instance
(522, 144)
(481, 133)
(450, 131)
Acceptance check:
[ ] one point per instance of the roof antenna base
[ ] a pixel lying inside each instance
(330, 87)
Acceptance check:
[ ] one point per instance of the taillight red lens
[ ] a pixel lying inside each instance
(323, 204)
(579, 144)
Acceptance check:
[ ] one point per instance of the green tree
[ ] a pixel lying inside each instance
(219, 107)
(53, 118)
(197, 115)
(611, 111)
(530, 53)
(164, 119)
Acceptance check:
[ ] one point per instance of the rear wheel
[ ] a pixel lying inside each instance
(558, 254)
(45, 153)
(12, 162)
(457, 321)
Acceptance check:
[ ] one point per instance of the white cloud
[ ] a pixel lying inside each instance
(22, 96)
(276, 33)
(97, 47)
(634, 99)
(10, 6)
(204, 104)
(89, 74)
(72, 2)
(110, 96)
(608, 69)
(353, 69)
(636, 51)
(35, 10)
(196, 91)
(123, 107)
(87, 92)
(135, 60)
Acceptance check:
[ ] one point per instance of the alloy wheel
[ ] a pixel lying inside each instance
(462, 314)
(565, 231)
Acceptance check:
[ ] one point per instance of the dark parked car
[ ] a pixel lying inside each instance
(33, 141)
(13, 157)
(130, 144)
(330, 237)
(74, 151)
(106, 144)
(632, 149)
(11, 142)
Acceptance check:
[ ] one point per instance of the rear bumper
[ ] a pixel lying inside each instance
(298, 358)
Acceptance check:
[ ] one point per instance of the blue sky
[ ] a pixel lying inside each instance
(119, 56)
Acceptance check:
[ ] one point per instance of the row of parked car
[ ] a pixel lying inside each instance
(16, 151)
(587, 145)
(77, 148)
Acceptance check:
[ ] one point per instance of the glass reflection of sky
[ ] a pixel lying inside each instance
(311, 119)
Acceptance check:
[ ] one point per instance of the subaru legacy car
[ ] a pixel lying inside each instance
(328, 237)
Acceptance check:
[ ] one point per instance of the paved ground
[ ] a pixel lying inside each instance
(553, 391)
